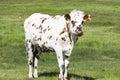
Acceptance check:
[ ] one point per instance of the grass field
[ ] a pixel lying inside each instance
(96, 55)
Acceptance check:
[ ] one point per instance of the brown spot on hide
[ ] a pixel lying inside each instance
(54, 17)
(40, 31)
(44, 30)
(67, 26)
(34, 25)
(67, 17)
(48, 28)
(69, 34)
(35, 67)
(28, 40)
(58, 57)
(64, 30)
(63, 39)
(73, 23)
(55, 43)
(70, 49)
(43, 20)
(70, 37)
(28, 22)
(50, 37)
(30, 62)
(39, 39)
(44, 43)
(37, 28)
(41, 28)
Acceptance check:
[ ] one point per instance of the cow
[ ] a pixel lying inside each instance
(58, 33)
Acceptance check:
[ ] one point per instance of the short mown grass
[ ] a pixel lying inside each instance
(96, 55)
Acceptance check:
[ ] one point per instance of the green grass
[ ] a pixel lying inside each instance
(96, 55)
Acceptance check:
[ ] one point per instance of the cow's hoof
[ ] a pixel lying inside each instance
(65, 78)
(35, 75)
(30, 75)
(60, 79)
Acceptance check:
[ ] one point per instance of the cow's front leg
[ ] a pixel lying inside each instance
(60, 61)
(30, 57)
(66, 61)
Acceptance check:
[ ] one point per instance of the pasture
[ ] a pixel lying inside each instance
(96, 55)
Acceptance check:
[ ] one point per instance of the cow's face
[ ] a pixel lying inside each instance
(77, 20)
(76, 28)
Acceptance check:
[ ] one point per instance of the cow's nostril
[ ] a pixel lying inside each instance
(79, 32)
(78, 27)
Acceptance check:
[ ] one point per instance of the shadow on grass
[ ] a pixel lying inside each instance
(71, 75)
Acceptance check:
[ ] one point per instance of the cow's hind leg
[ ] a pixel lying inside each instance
(36, 58)
(30, 57)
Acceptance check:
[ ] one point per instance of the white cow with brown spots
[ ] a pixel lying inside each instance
(59, 33)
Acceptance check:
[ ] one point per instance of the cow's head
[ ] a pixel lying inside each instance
(77, 20)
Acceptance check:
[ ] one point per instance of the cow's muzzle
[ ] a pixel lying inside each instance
(78, 32)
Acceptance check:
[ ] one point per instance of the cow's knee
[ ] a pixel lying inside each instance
(66, 61)
(60, 62)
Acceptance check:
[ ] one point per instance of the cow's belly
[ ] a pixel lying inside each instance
(46, 48)
(43, 43)
(43, 46)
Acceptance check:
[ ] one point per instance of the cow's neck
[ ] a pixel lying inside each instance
(74, 38)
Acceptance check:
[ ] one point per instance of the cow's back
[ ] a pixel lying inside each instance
(43, 29)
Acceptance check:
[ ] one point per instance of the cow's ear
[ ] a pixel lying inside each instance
(87, 17)
(67, 17)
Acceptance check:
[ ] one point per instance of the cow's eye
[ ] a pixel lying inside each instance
(82, 22)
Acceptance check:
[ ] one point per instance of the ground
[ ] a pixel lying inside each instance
(96, 55)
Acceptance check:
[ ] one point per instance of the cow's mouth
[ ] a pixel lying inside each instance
(78, 33)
